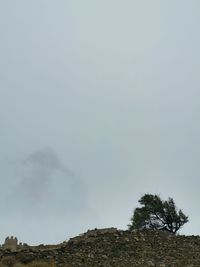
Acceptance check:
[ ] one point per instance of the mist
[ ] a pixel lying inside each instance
(99, 104)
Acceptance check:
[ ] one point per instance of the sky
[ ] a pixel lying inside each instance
(99, 104)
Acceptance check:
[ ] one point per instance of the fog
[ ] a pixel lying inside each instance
(99, 104)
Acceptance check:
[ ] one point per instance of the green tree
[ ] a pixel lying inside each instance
(155, 213)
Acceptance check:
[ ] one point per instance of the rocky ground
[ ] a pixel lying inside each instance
(114, 248)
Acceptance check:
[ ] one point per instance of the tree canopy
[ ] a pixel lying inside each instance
(157, 214)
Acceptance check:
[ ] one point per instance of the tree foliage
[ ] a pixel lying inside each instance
(157, 214)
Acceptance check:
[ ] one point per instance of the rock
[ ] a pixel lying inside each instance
(112, 248)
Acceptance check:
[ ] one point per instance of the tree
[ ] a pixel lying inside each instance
(157, 214)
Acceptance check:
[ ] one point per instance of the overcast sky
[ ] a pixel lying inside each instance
(99, 104)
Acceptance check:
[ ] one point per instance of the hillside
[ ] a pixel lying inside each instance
(113, 248)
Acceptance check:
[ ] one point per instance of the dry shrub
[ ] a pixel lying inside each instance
(36, 264)
(8, 261)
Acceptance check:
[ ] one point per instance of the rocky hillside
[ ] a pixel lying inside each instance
(114, 248)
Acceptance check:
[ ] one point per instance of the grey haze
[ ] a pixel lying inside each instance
(99, 104)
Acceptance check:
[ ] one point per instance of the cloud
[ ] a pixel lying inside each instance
(47, 187)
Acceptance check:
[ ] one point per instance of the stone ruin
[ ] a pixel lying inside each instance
(11, 243)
